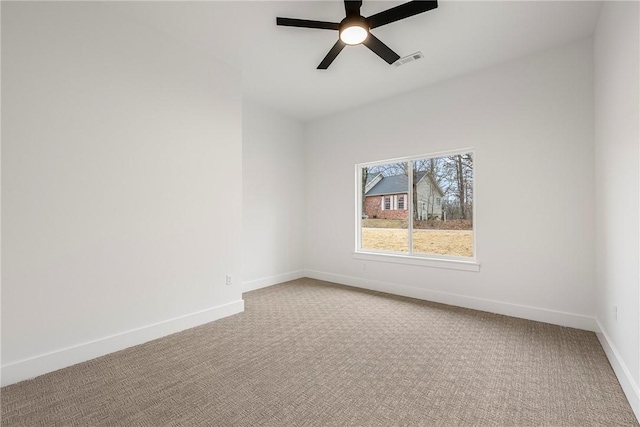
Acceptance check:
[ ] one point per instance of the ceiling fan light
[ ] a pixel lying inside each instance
(354, 34)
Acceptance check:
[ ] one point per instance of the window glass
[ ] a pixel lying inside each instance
(384, 223)
(443, 194)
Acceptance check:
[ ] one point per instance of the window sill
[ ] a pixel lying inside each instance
(451, 264)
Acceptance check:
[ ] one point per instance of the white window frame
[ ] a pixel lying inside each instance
(419, 259)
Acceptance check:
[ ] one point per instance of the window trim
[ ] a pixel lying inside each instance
(450, 263)
(410, 258)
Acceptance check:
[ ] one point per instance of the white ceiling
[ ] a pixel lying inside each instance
(278, 64)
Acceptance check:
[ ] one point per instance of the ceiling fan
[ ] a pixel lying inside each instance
(355, 28)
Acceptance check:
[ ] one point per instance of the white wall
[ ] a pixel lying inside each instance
(122, 181)
(617, 135)
(273, 197)
(531, 124)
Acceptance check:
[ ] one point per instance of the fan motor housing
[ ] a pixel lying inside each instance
(350, 21)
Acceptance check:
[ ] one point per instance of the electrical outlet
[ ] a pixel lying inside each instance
(229, 280)
(615, 313)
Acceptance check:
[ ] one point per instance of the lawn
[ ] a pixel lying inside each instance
(441, 242)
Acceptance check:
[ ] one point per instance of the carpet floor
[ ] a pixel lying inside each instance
(312, 353)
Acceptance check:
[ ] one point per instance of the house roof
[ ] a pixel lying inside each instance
(397, 184)
(390, 185)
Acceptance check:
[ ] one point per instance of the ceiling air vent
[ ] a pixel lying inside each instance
(408, 58)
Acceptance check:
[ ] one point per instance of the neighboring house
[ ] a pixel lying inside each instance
(387, 197)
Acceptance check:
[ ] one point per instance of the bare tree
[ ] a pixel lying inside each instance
(365, 177)
(462, 192)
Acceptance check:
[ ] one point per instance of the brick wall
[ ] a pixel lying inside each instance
(373, 204)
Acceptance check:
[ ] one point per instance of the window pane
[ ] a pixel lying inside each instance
(384, 207)
(443, 205)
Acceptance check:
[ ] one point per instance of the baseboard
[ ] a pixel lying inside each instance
(629, 386)
(252, 285)
(49, 362)
(554, 317)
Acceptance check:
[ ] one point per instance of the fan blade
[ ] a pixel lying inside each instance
(380, 49)
(335, 50)
(400, 12)
(352, 7)
(305, 23)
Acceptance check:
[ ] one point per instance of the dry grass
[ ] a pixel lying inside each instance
(457, 243)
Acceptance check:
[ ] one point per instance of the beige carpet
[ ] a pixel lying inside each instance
(309, 353)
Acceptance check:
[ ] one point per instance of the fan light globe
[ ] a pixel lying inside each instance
(354, 34)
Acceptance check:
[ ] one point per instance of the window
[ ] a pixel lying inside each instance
(419, 206)
(401, 202)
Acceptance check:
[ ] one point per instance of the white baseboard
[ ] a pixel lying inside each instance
(554, 317)
(629, 386)
(252, 285)
(49, 362)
